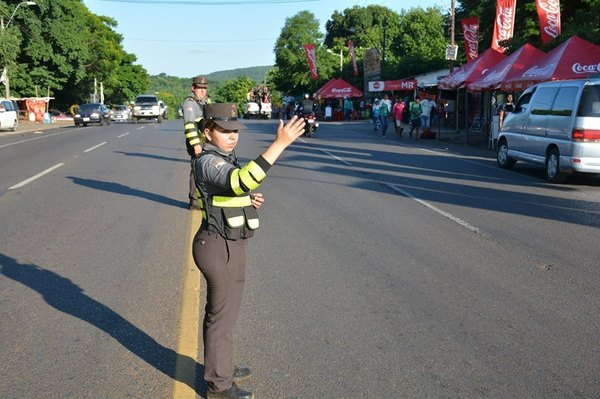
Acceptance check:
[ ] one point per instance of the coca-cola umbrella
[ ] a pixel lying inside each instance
(517, 61)
(339, 89)
(472, 70)
(325, 86)
(574, 59)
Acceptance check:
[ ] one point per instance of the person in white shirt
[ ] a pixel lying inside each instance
(427, 105)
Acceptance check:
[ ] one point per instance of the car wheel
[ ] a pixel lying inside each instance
(504, 161)
(15, 124)
(85, 125)
(553, 172)
(159, 119)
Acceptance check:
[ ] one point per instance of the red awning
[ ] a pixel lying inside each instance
(472, 70)
(513, 64)
(325, 86)
(339, 89)
(573, 59)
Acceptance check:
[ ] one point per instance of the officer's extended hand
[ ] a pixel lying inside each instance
(257, 200)
(286, 134)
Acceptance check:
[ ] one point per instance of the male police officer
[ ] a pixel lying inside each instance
(192, 115)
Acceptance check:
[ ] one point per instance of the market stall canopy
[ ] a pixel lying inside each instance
(339, 89)
(325, 86)
(513, 64)
(472, 70)
(573, 59)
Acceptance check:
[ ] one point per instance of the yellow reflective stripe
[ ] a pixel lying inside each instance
(195, 141)
(251, 175)
(256, 171)
(234, 182)
(232, 202)
(191, 134)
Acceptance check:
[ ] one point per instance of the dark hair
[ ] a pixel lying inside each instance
(207, 124)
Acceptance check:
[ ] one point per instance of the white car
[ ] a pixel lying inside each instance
(9, 118)
(121, 113)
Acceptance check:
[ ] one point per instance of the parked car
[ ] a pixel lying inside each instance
(9, 115)
(555, 124)
(121, 113)
(179, 112)
(147, 107)
(92, 113)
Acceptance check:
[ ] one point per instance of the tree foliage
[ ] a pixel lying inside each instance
(578, 17)
(59, 47)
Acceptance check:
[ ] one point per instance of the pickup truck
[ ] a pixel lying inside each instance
(147, 106)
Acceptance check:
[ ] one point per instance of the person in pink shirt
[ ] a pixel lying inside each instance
(398, 109)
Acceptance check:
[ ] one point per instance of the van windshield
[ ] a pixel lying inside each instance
(590, 101)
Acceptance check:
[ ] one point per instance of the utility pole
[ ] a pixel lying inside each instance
(385, 26)
(452, 18)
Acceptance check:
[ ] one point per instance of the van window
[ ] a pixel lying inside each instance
(543, 100)
(565, 101)
(590, 101)
(523, 102)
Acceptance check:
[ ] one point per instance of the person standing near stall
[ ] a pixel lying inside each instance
(229, 205)
(506, 108)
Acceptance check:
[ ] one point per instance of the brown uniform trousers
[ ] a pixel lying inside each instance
(223, 265)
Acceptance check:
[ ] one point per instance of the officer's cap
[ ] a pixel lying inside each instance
(224, 115)
(200, 81)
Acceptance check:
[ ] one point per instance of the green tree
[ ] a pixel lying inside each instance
(292, 74)
(419, 44)
(235, 91)
(578, 17)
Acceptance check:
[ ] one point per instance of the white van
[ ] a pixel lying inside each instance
(556, 124)
(9, 117)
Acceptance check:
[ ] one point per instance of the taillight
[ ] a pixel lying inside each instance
(586, 135)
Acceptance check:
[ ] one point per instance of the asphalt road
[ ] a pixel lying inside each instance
(383, 268)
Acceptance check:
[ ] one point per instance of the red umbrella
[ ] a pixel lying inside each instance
(573, 59)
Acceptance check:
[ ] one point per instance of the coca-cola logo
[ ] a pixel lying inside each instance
(536, 71)
(376, 85)
(551, 24)
(585, 69)
(470, 35)
(504, 23)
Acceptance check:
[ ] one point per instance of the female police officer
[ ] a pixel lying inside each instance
(229, 217)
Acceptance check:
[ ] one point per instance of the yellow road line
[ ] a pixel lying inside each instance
(189, 323)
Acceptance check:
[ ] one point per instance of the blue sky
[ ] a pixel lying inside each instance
(185, 38)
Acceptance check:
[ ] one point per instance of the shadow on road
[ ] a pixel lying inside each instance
(126, 190)
(67, 297)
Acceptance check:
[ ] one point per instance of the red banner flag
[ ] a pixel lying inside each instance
(549, 15)
(353, 56)
(505, 23)
(470, 28)
(312, 60)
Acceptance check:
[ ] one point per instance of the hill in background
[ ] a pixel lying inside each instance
(180, 87)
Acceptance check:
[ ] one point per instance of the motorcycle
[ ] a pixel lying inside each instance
(311, 125)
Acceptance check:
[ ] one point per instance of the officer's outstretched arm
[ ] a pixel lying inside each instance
(249, 177)
(286, 135)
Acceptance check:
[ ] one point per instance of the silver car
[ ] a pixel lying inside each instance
(121, 113)
(555, 124)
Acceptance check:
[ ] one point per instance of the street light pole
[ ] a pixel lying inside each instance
(4, 28)
(341, 57)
